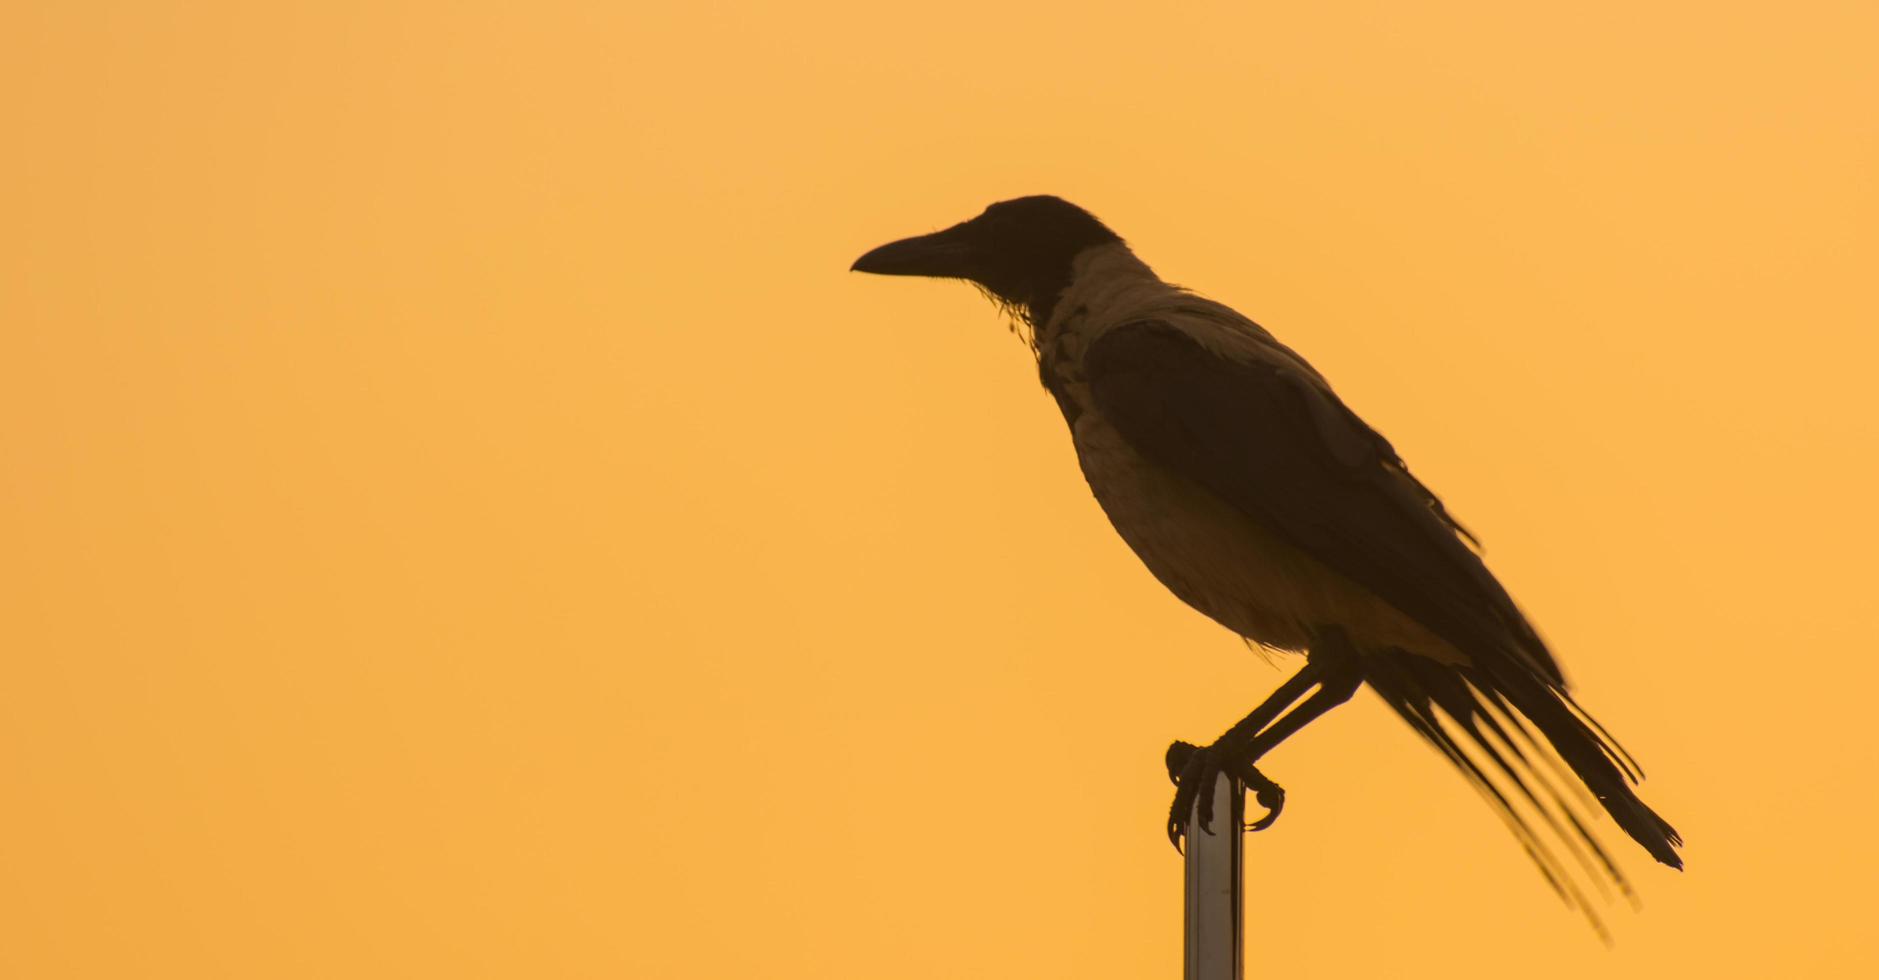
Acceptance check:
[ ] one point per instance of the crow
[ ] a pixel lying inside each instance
(1251, 491)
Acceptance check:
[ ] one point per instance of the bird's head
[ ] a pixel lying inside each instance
(1020, 251)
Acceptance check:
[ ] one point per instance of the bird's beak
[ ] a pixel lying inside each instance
(943, 254)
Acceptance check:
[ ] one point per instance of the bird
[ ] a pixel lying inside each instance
(1250, 490)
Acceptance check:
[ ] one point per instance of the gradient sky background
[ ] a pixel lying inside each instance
(460, 517)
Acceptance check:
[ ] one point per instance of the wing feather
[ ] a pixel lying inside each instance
(1280, 447)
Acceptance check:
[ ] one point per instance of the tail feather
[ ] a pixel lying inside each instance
(1505, 718)
(1623, 757)
(1591, 753)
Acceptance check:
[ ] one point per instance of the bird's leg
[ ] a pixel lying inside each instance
(1193, 767)
(1333, 668)
(1334, 688)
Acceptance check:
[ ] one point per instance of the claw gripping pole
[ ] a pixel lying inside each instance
(1215, 886)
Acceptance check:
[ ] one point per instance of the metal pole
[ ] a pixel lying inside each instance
(1216, 886)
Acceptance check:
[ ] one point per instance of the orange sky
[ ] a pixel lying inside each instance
(462, 519)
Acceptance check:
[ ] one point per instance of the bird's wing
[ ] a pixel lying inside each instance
(1286, 452)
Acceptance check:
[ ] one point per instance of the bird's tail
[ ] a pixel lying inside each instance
(1485, 720)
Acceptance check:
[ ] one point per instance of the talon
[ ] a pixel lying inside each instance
(1179, 754)
(1267, 793)
(1187, 781)
(1194, 782)
(1274, 801)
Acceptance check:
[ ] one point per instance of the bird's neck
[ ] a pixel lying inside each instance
(1040, 299)
(1103, 279)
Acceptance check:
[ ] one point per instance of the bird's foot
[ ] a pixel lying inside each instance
(1194, 768)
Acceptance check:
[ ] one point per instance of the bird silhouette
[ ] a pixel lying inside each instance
(1235, 473)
